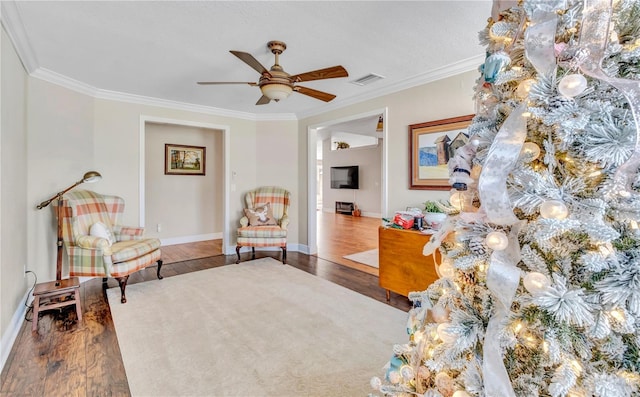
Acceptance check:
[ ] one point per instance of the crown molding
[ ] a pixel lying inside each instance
(78, 86)
(465, 65)
(12, 23)
(64, 81)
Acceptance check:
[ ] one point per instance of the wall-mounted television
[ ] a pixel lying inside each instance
(345, 177)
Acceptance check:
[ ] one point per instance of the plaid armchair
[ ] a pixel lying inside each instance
(265, 221)
(96, 242)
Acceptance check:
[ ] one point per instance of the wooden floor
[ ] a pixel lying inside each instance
(338, 235)
(65, 358)
(197, 250)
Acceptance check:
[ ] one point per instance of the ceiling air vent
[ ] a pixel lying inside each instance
(367, 79)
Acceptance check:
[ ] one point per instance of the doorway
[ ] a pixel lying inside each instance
(211, 191)
(318, 133)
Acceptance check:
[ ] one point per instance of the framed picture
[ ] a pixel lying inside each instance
(431, 145)
(184, 160)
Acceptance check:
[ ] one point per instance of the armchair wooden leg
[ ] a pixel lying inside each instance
(122, 281)
(253, 253)
(238, 253)
(284, 255)
(159, 267)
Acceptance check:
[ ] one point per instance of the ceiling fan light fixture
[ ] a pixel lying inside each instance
(276, 91)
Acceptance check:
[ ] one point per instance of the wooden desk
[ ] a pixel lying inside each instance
(403, 268)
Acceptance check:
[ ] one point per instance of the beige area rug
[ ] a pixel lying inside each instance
(369, 258)
(259, 328)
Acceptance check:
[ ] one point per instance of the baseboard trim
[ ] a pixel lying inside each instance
(10, 335)
(366, 214)
(190, 239)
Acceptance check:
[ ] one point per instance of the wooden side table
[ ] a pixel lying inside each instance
(403, 268)
(49, 296)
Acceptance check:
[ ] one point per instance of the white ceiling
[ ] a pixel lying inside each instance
(157, 50)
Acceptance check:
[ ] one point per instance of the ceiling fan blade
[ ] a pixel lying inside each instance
(251, 61)
(251, 83)
(321, 74)
(263, 100)
(323, 96)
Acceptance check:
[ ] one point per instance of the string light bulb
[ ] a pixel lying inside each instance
(575, 364)
(553, 209)
(517, 326)
(572, 85)
(497, 240)
(524, 88)
(624, 193)
(536, 283)
(617, 314)
(418, 336)
(446, 269)
(605, 249)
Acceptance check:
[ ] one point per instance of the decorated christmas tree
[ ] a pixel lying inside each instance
(539, 288)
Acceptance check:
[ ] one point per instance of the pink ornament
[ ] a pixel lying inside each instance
(558, 48)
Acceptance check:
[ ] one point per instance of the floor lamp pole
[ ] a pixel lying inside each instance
(59, 211)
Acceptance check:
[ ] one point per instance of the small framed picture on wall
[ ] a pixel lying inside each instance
(184, 159)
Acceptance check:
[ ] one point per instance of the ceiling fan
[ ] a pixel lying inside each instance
(276, 84)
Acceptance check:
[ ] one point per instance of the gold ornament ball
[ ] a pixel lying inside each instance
(531, 150)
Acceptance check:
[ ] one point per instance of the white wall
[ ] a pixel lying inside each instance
(367, 196)
(60, 149)
(13, 193)
(276, 159)
(188, 207)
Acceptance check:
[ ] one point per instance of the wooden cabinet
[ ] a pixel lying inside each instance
(403, 268)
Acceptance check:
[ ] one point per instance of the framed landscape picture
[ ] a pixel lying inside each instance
(431, 145)
(184, 159)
